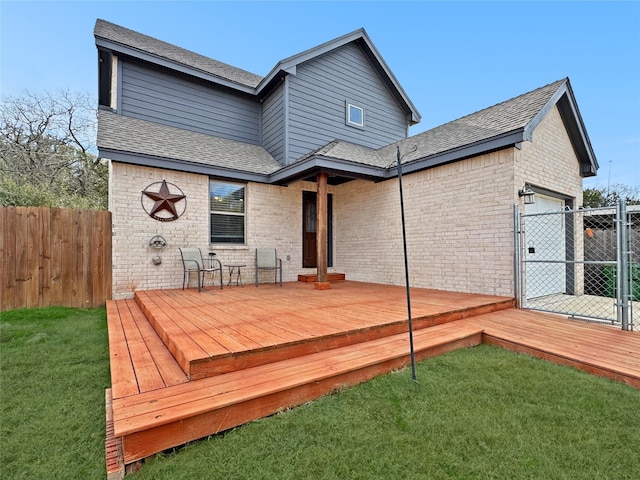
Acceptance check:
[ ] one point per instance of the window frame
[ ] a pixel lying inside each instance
(348, 119)
(213, 212)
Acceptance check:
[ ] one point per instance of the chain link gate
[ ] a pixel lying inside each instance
(581, 263)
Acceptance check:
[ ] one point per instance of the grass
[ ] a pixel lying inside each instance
(475, 413)
(54, 371)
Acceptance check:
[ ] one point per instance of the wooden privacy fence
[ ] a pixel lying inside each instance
(54, 256)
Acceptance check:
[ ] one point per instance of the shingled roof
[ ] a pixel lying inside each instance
(177, 149)
(136, 44)
(503, 125)
(500, 126)
(129, 42)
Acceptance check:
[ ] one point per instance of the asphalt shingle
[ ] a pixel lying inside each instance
(131, 135)
(144, 43)
(483, 125)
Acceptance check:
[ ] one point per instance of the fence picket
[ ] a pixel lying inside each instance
(52, 256)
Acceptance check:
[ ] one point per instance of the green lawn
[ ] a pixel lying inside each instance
(475, 413)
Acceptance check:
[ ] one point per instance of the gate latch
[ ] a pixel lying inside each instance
(531, 248)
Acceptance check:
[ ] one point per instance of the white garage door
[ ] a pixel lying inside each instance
(545, 241)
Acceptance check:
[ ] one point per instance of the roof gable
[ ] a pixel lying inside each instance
(360, 37)
(505, 124)
(114, 37)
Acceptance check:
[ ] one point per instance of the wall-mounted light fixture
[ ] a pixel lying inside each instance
(528, 194)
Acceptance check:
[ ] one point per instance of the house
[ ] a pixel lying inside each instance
(205, 154)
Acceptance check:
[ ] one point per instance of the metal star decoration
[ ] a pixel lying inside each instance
(164, 201)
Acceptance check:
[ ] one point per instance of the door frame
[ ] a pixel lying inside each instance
(309, 197)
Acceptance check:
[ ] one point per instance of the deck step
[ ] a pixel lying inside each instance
(312, 277)
(154, 421)
(139, 359)
(196, 363)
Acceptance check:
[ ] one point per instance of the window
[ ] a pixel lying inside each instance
(355, 115)
(105, 64)
(226, 202)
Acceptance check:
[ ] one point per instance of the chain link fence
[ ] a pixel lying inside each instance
(581, 263)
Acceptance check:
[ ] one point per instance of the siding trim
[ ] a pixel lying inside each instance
(361, 38)
(119, 87)
(285, 104)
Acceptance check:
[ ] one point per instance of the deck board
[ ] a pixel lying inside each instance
(218, 325)
(279, 347)
(123, 377)
(169, 369)
(598, 349)
(192, 399)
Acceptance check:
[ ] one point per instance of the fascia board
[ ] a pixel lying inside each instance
(299, 169)
(289, 64)
(496, 143)
(535, 121)
(415, 115)
(569, 108)
(194, 72)
(181, 165)
(566, 103)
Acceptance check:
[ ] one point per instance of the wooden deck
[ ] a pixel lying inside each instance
(185, 365)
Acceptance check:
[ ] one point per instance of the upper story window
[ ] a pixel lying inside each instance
(105, 65)
(355, 115)
(226, 201)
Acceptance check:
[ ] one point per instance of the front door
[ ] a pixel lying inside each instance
(309, 225)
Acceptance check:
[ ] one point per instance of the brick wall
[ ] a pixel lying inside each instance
(274, 219)
(459, 216)
(133, 268)
(459, 227)
(459, 221)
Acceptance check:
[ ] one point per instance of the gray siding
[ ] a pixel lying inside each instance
(155, 96)
(273, 120)
(317, 98)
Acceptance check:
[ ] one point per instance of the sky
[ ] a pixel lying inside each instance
(452, 58)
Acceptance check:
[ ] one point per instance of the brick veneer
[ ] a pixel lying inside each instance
(459, 221)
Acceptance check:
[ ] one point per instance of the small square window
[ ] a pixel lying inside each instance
(355, 115)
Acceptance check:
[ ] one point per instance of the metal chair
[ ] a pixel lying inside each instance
(267, 259)
(192, 261)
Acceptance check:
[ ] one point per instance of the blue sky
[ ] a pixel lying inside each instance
(452, 58)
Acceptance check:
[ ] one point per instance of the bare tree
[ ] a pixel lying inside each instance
(46, 151)
(608, 197)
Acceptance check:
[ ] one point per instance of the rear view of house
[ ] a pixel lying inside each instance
(204, 154)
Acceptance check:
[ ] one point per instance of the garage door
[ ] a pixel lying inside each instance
(545, 243)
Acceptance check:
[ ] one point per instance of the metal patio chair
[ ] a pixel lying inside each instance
(267, 259)
(192, 261)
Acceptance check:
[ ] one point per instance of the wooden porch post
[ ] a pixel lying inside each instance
(322, 229)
